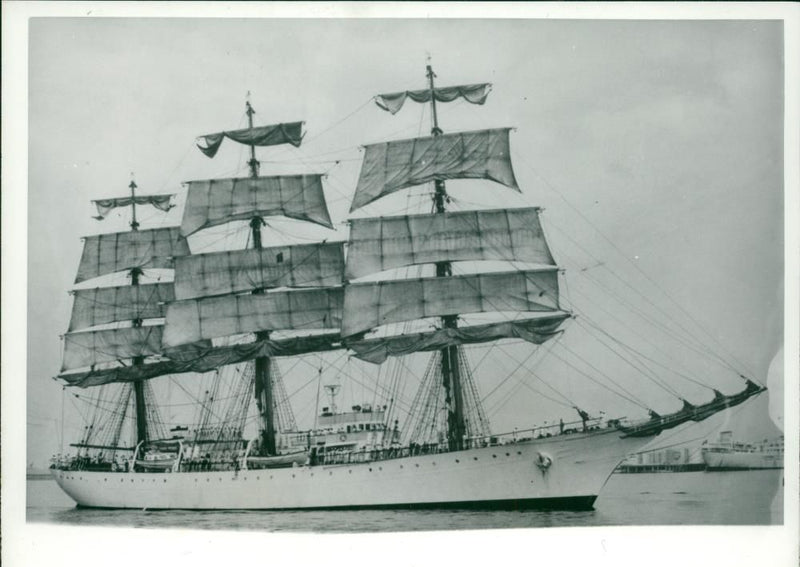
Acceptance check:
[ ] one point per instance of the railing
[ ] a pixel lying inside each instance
(343, 457)
(237, 461)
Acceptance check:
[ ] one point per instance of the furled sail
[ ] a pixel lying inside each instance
(217, 201)
(104, 206)
(204, 358)
(475, 94)
(378, 244)
(195, 319)
(102, 305)
(391, 166)
(108, 253)
(220, 273)
(88, 348)
(273, 135)
(535, 331)
(369, 305)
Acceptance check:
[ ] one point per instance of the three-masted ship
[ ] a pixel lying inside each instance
(408, 285)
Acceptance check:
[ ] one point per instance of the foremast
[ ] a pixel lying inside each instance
(263, 381)
(440, 238)
(451, 375)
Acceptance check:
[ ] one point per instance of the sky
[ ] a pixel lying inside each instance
(654, 147)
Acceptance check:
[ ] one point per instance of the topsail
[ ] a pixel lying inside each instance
(378, 244)
(372, 304)
(108, 253)
(218, 201)
(102, 305)
(234, 271)
(391, 166)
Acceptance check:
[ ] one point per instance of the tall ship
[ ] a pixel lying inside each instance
(727, 454)
(401, 288)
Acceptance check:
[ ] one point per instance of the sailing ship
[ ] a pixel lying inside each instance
(399, 291)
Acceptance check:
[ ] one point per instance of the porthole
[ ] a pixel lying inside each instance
(508, 454)
(519, 452)
(494, 456)
(474, 458)
(458, 461)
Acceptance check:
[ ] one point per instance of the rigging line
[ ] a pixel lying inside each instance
(402, 404)
(636, 267)
(521, 382)
(303, 387)
(334, 125)
(669, 333)
(643, 369)
(519, 365)
(630, 348)
(550, 347)
(204, 407)
(647, 318)
(633, 399)
(708, 353)
(569, 404)
(186, 152)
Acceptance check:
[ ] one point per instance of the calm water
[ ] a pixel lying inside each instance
(720, 498)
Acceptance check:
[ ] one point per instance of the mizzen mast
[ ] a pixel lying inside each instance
(138, 385)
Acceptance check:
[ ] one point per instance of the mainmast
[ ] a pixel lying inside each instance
(451, 376)
(263, 382)
(138, 385)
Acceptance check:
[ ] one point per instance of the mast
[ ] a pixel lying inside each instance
(138, 385)
(263, 381)
(451, 373)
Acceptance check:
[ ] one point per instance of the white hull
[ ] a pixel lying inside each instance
(741, 460)
(509, 475)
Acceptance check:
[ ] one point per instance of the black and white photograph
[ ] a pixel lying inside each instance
(325, 271)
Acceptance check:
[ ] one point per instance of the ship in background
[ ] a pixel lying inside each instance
(411, 285)
(726, 454)
(672, 459)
